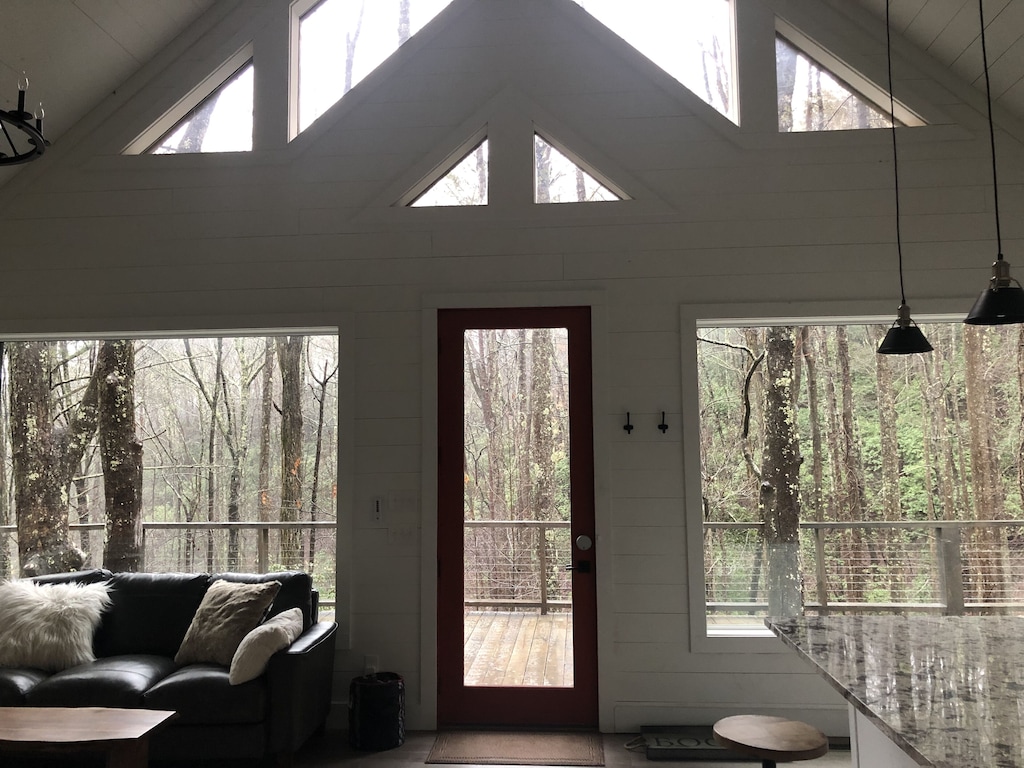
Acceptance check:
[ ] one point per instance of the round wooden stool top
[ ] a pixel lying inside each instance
(771, 738)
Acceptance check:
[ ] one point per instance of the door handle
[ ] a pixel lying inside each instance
(582, 566)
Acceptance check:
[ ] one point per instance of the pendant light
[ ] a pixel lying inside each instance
(904, 337)
(1002, 302)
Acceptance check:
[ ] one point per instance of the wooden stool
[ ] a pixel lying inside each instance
(771, 738)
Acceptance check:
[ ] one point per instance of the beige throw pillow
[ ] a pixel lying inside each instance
(49, 626)
(258, 646)
(228, 612)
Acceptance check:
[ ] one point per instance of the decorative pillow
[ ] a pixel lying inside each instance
(226, 614)
(49, 626)
(258, 646)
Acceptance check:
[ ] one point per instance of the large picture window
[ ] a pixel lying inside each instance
(837, 480)
(183, 454)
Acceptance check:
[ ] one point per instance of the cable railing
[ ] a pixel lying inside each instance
(950, 567)
(517, 565)
(213, 547)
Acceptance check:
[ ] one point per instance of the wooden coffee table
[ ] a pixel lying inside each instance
(122, 734)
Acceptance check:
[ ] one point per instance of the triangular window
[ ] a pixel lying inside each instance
(222, 122)
(464, 184)
(342, 41)
(692, 41)
(561, 180)
(813, 98)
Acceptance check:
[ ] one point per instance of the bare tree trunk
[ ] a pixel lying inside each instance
(44, 457)
(351, 40)
(321, 397)
(403, 21)
(785, 67)
(542, 151)
(121, 455)
(852, 460)
(289, 355)
(891, 467)
(543, 426)
(780, 476)
(5, 510)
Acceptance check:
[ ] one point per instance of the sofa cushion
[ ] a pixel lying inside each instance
(202, 694)
(15, 683)
(149, 612)
(226, 615)
(296, 590)
(117, 681)
(256, 648)
(49, 626)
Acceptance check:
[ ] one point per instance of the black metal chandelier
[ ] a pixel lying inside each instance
(22, 132)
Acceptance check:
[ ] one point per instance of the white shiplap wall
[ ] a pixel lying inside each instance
(305, 235)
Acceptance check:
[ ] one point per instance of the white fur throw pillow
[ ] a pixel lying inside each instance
(258, 646)
(49, 626)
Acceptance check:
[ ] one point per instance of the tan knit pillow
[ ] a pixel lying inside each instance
(228, 612)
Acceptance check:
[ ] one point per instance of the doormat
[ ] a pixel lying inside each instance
(517, 748)
(685, 742)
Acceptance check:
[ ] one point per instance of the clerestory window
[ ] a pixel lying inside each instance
(836, 480)
(341, 41)
(558, 179)
(222, 122)
(691, 41)
(464, 184)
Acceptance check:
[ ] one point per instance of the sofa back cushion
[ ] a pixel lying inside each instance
(296, 591)
(149, 612)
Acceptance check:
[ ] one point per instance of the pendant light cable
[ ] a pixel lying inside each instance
(895, 160)
(991, 131)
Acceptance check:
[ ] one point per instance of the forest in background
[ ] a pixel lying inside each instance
(809, 423)
(203, 430)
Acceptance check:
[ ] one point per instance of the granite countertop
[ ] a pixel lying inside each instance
(946, 689)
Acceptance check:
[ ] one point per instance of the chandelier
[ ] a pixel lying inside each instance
(22, 140)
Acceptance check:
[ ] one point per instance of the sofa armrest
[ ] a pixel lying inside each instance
(299, 683)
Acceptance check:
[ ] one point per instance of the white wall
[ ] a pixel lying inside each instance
(305, 234)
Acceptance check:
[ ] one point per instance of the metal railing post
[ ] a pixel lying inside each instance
(819, 565)
(951, 569)
(263, 548)
(542, 561)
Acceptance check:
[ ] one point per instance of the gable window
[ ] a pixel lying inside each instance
(691, 41)
(226, 460)
(222, 122)
(813, 98)
(837, 480)
(464, 184)
(341, 41)
(561, 180)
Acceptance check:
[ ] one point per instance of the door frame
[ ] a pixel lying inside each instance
(521, 706)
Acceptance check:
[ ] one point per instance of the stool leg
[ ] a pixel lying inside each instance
(767, 764)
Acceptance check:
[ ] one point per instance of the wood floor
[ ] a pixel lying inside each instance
(518, 648)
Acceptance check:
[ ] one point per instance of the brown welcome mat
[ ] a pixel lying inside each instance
(517, 748)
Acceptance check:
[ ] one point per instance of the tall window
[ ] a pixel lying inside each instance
(692, 41)
(838, 480)
(187, 454)
(342, 41)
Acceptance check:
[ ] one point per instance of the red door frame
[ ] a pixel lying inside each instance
(458, 704)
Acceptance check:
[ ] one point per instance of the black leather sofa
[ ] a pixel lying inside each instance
(135, 644)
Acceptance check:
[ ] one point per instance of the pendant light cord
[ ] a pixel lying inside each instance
(895, 161)
(991, 130)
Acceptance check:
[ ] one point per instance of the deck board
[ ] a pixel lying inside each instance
(518, 649)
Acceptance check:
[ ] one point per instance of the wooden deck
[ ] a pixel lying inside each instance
(518, 649)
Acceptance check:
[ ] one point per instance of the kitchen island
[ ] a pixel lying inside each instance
(944, 691)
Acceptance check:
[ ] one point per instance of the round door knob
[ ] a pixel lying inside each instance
(584, 542)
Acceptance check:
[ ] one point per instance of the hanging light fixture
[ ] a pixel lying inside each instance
(1002, 302)
(21, 139)
(904, 337)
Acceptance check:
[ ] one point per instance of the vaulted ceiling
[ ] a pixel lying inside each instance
(78, 51)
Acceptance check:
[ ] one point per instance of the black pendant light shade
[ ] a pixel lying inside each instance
(904, 338)
(1002, 303)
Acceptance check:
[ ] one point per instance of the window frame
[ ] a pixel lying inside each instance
(693, 317)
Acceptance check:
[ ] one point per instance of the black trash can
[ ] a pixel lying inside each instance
(376, 711)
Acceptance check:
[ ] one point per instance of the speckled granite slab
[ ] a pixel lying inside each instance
(948, 690)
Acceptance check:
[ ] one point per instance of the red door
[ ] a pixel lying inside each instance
(517, 615)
